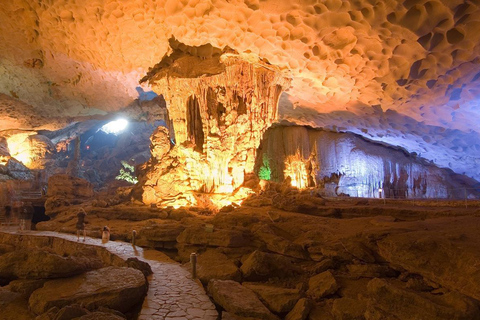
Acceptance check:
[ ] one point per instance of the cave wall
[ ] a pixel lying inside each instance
(347, 164)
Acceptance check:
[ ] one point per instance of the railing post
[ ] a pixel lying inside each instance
(193, 262)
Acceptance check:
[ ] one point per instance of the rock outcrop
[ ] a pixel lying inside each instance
(322, 285)
(215, 265)
(276, 299)
(112, 287)
(261, 265)
(238, 300)
(64, 190)
(38, 264)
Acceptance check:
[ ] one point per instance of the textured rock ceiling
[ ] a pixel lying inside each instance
(402, 72)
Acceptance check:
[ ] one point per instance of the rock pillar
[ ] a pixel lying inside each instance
(220, 106)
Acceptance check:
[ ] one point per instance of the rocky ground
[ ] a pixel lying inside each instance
(46, 278)
(292, 255)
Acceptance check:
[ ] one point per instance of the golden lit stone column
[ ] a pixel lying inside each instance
(220, 107)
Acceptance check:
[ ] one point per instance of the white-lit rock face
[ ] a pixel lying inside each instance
(419, 58)
(346, 164)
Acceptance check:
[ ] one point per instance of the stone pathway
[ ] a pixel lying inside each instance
(172, 293)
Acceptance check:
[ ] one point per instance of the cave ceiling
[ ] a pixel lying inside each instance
(405, 73)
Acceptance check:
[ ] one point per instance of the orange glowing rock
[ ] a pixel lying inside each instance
(220, 107)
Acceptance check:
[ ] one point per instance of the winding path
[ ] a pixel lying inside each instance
(172, 293)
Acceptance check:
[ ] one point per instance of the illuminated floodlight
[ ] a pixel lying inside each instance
(115, 126)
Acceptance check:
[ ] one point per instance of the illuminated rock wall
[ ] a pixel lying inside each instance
(344, 163)
(220, 106)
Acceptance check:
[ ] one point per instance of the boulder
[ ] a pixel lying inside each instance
(215, 265)
(260, 266)
(238, 300)
(13, 306)
(70, 312)
(167, 231)
(324, 265)
(139, 265)
(116, 288)
(25, 287)
(451, 263)
(370, 271)
(301, 310)
(217, 238)
(321, 285)
(359, 250)
(277, 299)
(389, 297)
(277, 244)
(36, 264)
(49, 315)
(349, 309)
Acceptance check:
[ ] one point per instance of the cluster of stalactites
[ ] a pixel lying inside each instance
(223, 117)
(244, 88)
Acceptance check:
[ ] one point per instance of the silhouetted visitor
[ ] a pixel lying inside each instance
(81, 224)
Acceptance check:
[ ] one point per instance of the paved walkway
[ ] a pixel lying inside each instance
(172, 293)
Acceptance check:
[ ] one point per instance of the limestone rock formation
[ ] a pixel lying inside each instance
(112, 287)
(14, 306)
(239, 300)
(404, 304)
(26, 287)
(215, 265)
(161, 234)
(439, 261)
(12, 169)
(301, 310)
(322, 285)
(277, 244)
(216, 238)
(220, 106)
(276, 299)
(37, 264)
(346, 164)
(65, 190)
(260, 266)
(355, 58)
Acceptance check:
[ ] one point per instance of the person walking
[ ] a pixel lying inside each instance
(81, 224)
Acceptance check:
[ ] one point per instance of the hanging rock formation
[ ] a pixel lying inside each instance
(220, 105)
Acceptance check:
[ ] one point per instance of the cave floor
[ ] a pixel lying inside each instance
(172, 293)
(427, 251)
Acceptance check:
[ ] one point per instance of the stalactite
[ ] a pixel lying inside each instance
(237, 102)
